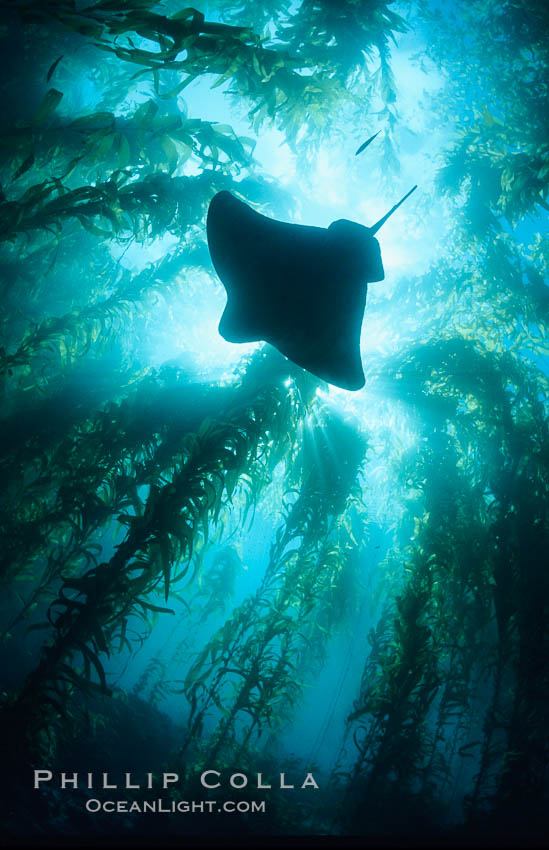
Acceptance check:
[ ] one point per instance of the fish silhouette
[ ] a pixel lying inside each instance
(300, 288)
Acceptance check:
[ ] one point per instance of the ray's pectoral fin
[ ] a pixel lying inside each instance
(338, 364)
(238, 323)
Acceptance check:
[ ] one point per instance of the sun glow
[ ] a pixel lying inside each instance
(335, 185)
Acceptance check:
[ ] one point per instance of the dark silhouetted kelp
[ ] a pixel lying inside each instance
(213, 565)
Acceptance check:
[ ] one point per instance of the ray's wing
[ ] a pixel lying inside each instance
(302, 289)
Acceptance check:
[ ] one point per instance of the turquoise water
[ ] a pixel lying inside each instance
(213, 560)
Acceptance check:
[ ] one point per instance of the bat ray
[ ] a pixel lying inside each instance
(299, 288)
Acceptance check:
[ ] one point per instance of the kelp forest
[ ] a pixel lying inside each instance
(214, 564)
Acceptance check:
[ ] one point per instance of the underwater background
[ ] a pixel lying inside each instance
(211, 559)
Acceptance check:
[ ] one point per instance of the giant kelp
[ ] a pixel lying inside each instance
(129, 490)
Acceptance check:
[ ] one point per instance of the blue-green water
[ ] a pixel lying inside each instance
(211, 559)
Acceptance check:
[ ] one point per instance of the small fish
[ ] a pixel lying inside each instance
(365, 144)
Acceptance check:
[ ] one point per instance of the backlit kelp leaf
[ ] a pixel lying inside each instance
(145, 112)
(171, 153)
(82, 682)
(25, 165)
(157, 609)
(49, 104)
(96, 121)
(124, 153)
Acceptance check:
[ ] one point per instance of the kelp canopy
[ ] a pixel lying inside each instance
(209, 558)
